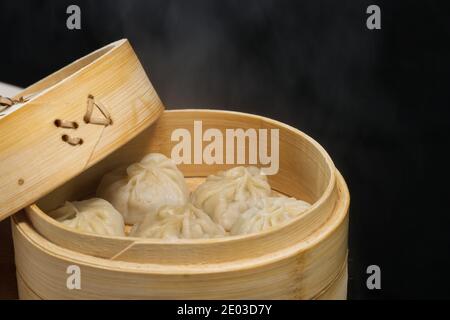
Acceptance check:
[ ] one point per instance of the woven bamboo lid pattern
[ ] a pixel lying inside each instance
(65, 123)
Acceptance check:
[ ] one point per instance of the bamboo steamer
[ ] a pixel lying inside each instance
(304, 259)
(70, 120)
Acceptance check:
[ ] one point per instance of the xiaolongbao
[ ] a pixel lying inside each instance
(93, 216)
(177, 222)
(268, 212)
(225, 195)
(144, 187)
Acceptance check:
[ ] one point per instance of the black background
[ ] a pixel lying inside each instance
(377, 100)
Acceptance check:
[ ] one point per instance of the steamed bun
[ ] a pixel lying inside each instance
(225, 195)
(144, 187)
(267, 213)
(92, 216)
(177, 222)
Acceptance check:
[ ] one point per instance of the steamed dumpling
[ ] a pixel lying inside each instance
(144, 187)
(92, 216)
(225, 195)
(268, 212)
(178, 222)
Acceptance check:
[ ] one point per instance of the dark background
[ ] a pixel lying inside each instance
(376, 100)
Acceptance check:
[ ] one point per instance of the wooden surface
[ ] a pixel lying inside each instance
(34, 155)
(303, 258)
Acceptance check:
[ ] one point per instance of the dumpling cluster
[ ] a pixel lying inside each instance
(153, 196)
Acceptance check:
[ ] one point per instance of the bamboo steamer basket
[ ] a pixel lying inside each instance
(304, 259)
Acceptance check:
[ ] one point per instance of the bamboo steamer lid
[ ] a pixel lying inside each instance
(70, 120)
